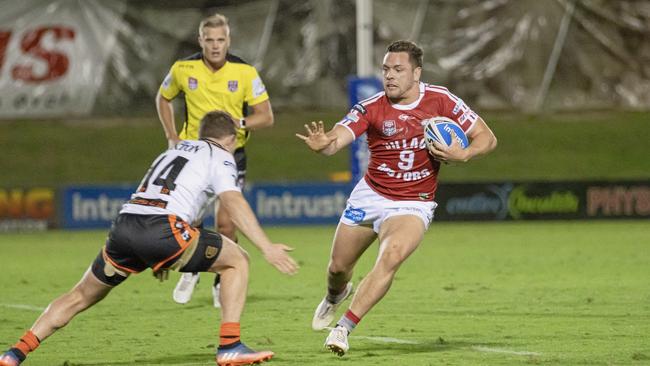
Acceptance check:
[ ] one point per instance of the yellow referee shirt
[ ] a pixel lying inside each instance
(229, 89)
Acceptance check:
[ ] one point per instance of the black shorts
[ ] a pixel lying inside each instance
(138, 242)
(240, 160)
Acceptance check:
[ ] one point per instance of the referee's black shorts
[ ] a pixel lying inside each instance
(137, 242)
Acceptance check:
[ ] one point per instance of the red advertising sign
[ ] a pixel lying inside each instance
(53, 58)
(27, 209)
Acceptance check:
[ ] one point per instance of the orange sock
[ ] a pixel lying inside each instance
(229, 334)
(28, 342)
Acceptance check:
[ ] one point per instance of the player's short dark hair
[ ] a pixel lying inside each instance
(213, 21)
(217, 124)
(414, 51)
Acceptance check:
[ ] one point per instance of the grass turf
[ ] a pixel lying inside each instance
(551, 293)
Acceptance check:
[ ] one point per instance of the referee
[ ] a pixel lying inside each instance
(213, 79)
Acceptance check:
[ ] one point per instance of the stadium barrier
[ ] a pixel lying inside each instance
(88, 207)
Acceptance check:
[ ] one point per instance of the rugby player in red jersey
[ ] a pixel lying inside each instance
(395, 200)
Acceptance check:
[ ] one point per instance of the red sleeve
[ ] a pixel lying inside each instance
(454, 108)
(356, 120)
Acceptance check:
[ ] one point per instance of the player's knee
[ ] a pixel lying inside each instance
(390, 260)
(230, 234)
(337, 268)
(227, 229)
(242, 259)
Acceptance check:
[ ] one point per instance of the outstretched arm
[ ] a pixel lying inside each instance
(326, 143)
(244, 218)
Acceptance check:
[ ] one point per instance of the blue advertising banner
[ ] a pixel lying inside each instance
(308, 203)
(358, 90)
(86, 207)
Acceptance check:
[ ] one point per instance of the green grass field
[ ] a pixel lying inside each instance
(550, 293)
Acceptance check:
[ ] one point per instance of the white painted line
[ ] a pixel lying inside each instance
(506, 351)
(23, 307)
(386, 340)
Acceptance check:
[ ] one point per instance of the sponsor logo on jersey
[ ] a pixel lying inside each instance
(211, 252)
(389, 128)
(460, 106)
(233, 85)
(404, 117)
(424, 196)
(192, 83)
(353, 116)
(360, 108)
(258, 87)
(187, 146)
(354, 214)
(469, 115)
(168, 81)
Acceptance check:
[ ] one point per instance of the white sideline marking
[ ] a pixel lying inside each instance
(506, 351)
(386, 340)
(23, 307)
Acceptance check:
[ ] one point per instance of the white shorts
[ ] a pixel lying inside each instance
(366, 207)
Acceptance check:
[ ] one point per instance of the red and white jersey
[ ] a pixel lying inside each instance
(184, 180)
(400, 166)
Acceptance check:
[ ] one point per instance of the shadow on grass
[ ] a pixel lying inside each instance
(186, 359)
(375, 348)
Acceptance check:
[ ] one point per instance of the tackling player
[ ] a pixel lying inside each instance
(395, 200)
(155, 230)
(213, 79)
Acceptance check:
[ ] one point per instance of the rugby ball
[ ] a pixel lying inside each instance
(439, 129)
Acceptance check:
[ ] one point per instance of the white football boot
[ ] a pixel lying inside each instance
(216, 290)
(325, 312)
(337, 341)
(185, 287)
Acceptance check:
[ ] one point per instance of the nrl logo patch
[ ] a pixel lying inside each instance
(192, 83)
(211, 252)
(233, 85)
(389, 128)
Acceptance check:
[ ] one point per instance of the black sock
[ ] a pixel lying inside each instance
(21, 356)
(229, 346)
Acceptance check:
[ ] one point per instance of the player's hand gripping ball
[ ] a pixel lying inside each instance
(439, 129)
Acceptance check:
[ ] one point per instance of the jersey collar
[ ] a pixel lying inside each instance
(216, 72)
(210, 142)
(408, 107)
